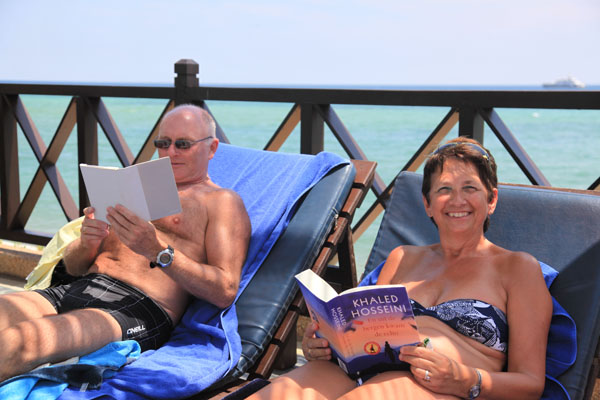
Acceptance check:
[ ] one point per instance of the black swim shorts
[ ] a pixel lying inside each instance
(141, 319)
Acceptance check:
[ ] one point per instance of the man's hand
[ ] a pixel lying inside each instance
(137, 234)
(93, 231)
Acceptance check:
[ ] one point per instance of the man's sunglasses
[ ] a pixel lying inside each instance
(181, 144)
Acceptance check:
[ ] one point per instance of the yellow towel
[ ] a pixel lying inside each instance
(41, 275)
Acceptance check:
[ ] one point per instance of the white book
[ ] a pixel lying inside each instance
(148, 189)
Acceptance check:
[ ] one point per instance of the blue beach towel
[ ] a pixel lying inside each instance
(562, 337)
(48, 383)
(205, 345)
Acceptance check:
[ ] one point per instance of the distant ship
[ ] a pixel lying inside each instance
(568, 82)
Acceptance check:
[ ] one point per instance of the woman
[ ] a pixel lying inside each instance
(466, 293)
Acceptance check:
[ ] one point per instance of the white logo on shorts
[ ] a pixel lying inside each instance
(137, 329)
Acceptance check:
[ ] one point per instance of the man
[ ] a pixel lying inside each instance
(137, 277)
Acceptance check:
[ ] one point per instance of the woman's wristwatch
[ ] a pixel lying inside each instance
(476, 388)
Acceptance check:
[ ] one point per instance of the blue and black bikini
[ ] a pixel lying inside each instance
(475, 319)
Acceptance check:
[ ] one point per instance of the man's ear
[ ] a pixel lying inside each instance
(214, 145)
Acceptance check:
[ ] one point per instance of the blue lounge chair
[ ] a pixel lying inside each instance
(271, 303)
(559, 227)
(300, 207)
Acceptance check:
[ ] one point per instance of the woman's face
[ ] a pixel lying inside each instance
(458, 200)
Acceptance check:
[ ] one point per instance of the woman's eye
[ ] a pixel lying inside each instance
(444, 189)
(470, 189)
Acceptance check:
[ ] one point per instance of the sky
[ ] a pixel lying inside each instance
(308, 42)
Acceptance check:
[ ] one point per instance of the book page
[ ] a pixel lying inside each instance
(131, 192)
(109, 186)
(160, 189)
(101, 186)
(317, 285)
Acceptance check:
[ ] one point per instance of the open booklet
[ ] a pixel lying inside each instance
(148, 189)
(365, 326)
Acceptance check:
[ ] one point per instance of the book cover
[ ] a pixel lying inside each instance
(148, 189)
(365, 326)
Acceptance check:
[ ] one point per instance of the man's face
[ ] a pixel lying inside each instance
(189, 165)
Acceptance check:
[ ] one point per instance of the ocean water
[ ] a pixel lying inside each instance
(563, 143)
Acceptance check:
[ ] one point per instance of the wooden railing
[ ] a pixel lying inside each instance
(311, 108)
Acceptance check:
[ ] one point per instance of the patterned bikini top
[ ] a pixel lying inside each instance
(473, 318)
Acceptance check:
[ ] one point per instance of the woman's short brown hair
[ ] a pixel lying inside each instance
(470, 151)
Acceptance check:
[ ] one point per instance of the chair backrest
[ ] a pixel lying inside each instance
(558, 227)
(264, 302)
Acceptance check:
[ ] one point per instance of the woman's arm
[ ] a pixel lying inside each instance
(529, 310)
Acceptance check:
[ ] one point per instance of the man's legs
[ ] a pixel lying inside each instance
(36, 334)
(23, 306)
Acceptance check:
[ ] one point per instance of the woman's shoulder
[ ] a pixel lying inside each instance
(401, 260)
(410, 251)
(518, 265)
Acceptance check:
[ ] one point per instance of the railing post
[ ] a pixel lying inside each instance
(470, 123)
(10, 195)
(312, 130)
(187, 77)
(87, 144)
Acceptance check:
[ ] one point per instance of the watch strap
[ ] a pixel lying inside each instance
(475, 390)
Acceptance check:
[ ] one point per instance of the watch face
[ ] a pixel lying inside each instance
(165, 258)
(474, 392)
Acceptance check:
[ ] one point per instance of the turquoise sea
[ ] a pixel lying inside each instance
(563, 143)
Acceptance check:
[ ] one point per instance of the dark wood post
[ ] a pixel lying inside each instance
(312, 130)
(187, 77)
(10, 195)
(87, 144)
(470, 123)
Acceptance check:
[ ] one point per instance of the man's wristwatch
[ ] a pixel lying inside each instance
(476, 388)
(164, 258)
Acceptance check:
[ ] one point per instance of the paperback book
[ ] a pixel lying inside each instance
(365, 326)
(148, 189)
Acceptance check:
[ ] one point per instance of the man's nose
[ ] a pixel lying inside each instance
(172, 150)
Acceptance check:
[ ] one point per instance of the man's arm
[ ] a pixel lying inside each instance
(81, 253)
(226, 242)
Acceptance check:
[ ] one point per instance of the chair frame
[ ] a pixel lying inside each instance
(281, 351)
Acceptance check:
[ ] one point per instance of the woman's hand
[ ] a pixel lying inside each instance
(437, 372)
(315, 348)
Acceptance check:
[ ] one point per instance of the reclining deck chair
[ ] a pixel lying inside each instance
(559, 227)
(300, 207)
(271, 303)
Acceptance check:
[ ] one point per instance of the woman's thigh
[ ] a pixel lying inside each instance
(314, 380)
(394, 385)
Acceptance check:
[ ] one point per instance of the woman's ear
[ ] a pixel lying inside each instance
(493, 202)
(427, 207)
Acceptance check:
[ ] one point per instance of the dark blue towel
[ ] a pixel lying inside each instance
(562, 338)
(205, 344)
